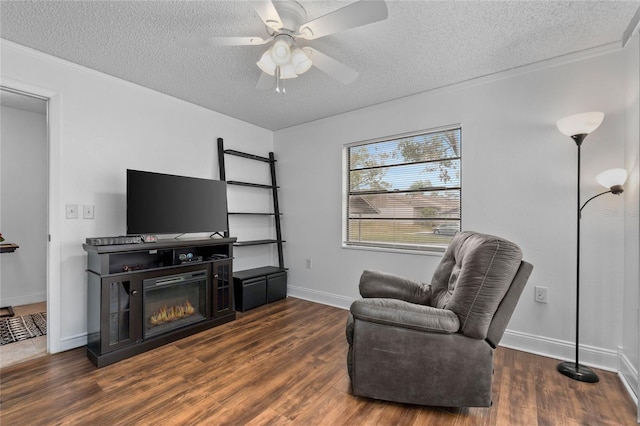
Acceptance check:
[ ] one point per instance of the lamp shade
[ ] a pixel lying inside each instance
(612, 178)
(280, 53)
(580, 124)
(300, 61)
(287, 71)
(266, 63)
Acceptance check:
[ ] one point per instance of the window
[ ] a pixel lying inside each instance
(404, 192)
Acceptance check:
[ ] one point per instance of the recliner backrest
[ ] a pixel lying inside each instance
(473, 277)
(508, 304)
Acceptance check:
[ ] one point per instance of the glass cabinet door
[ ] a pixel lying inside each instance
(222, 290)
(122, 303)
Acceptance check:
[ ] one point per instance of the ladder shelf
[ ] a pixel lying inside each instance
(264, 284)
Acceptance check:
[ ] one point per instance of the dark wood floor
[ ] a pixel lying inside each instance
(281, 364)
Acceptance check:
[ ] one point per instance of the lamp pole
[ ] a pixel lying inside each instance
(569, 368)
(578, 220)
(577, 127)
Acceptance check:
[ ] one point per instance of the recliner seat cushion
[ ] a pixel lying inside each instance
(473, 277)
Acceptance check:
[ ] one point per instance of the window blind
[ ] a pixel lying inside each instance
(404, 192)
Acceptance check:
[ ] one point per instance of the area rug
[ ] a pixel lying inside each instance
(22, 327)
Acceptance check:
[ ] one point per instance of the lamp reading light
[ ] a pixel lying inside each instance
(613, 180)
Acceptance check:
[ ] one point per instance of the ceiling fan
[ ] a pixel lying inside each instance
(286, 23)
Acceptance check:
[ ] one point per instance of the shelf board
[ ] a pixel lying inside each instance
(256, 243)
(257, 272)
(8, 247)
(254, 185)
(255, 214)
(246, 155)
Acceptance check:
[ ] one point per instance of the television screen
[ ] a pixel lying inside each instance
(167, 204)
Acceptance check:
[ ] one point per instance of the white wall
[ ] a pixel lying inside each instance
(630, 362)
(23, 205)
(519, 182)
(518, 178)
(100, 127)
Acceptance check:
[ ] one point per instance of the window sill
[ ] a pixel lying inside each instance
(435, 251)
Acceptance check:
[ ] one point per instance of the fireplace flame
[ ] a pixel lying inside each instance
(173, 313)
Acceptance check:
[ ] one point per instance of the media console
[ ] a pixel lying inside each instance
(142, 296)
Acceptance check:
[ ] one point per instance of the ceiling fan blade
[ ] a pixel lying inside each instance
(356, 14)
(222, 41)
(268, 13)
(330, 66)
(265, 82)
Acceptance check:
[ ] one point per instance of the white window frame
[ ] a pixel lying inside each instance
(425, 249)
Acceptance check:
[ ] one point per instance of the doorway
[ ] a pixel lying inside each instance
(24, 189)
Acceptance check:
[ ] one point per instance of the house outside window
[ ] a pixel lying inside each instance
(404, 192)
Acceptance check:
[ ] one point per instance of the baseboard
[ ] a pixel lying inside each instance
(71, 342)
(320, 297)
(23, 300)
(628, 375)
(592, 356)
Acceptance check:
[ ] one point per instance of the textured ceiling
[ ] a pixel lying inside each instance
(423, 45)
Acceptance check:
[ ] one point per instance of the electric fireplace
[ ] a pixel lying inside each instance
(174, 301)
(177, 288)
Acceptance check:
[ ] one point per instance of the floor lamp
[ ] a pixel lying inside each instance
(578, 126)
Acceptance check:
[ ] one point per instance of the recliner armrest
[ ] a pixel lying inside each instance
(389, 286)
(406, 315)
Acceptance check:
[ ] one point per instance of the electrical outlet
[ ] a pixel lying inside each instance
(87, 211)
(309, 263)
(541, 294)
(71, 211)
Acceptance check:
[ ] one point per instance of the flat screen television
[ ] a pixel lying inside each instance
(168, 204)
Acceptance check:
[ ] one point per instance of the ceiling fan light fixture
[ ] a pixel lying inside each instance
(287, 71)
(266, 63)
(286, 21)
(300, 61)
(280, 53)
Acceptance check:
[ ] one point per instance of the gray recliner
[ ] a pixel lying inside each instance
(432, 344)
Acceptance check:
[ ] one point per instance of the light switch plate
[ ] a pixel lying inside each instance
(87, 211)
(71, 211)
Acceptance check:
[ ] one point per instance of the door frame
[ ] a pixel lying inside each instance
(54, 217)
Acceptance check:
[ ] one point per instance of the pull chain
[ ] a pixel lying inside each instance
(278, 80)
